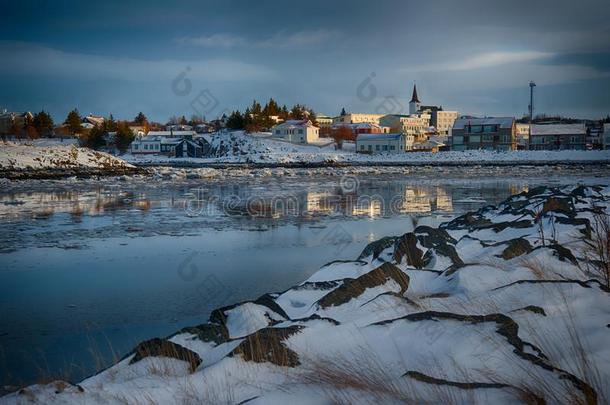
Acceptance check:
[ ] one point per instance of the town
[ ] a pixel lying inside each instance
(424, 128)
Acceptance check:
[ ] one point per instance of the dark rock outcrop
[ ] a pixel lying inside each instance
(516, 247)
(352, 288)
(267, 345)
(164, 348)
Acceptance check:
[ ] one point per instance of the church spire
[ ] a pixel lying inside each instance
(414, 98)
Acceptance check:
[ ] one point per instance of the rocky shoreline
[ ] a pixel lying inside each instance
(503, 305)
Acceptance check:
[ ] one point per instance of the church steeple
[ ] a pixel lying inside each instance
(414, 98)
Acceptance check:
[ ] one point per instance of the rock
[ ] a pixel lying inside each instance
(208, 332)
(267, 345)
(406, 246)
(352, 288)
(164, 348)
(375, 248)
(516, 247)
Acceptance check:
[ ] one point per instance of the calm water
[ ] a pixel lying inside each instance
(89, 269)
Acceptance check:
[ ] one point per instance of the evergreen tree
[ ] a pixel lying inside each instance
(124, 136)
(43, 123)
(343, 111)
(140, 119)
(236, 120)
(183, 121)
(73, 121)
(95, 138)
(110, 124)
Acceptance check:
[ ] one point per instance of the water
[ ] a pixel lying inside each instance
(90, 268)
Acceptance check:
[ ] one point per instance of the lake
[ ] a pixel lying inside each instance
(89, 268)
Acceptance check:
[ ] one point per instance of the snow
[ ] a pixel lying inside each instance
(486, 321)
(51, 155)
(256, 148)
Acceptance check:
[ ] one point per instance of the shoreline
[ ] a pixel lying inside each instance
(143, 168)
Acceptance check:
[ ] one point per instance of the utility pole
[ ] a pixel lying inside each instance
(529, 138)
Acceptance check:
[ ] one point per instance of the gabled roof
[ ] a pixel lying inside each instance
(294, 123)
(503, 122)
(558, 129)
(414, 98)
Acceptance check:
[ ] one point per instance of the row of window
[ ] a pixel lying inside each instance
(379, 148)
(146, 146)
(289, 132)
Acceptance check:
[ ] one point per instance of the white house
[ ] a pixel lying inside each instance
(384, 143)
(296, 131)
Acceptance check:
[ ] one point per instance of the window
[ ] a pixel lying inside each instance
(136, 146)
(487, 138)
(376, 147)
(277, 131)
(385, 147)
(145, 147)
(370, 148)
(300, 132)
(157, 147)
(392, 147)
(361, 147)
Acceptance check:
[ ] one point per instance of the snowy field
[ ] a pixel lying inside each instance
(500, 306)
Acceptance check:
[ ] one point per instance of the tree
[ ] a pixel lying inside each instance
(43, 123)
(343, 111)
(73, 121)
(124, 136)
(94, 139)
(183, 121)
(140, 119)
(110, 124)
(341, 134)
(15, 130)
(235, 120)
(31, 132)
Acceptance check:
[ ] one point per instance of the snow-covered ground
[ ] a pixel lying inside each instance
(496, 306)
(54, 155)
(237, 147)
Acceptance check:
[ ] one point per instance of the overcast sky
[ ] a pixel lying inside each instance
(186, 57)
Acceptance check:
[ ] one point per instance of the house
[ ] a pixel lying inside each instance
(443, 121)
(324, 120)
(10, 119)
(595, 133)
(93, 120)
(146, 145)
(558, 136)
(384, 143)
(178, 127)
(356, 118)
(415, 124)
(488, 133)
(523, 135)
(296, 131)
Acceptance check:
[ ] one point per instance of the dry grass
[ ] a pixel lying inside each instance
(597, 249)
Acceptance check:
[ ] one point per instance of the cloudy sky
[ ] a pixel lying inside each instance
(186, 57)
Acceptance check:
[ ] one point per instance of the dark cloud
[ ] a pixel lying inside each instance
(474, 56)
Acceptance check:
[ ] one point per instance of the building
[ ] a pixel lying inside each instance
(324, 120)
(523, 135)
(296, 131)
(606, 137)
(470, 133)
(10, 119)
(558, 136)
(356, 118)
(415, 124)
(384, 143)
(414, 104)
(174, 147)
(443, 121)
(595, 133)
(93, 120)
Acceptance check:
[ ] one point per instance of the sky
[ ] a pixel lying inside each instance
(208, 57)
